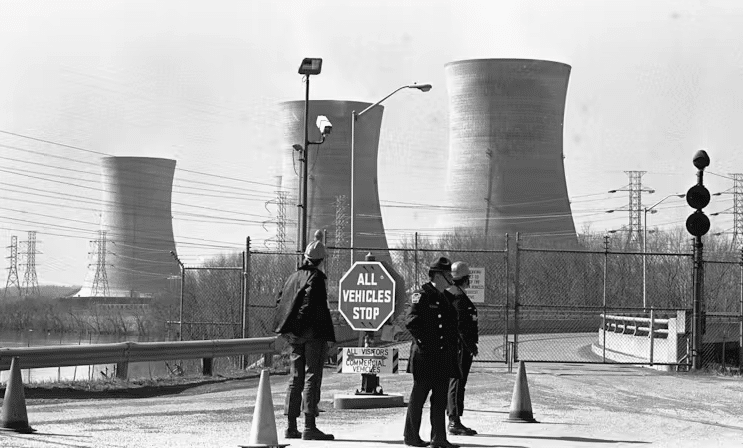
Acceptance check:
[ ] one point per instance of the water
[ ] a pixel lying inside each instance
(32, 338)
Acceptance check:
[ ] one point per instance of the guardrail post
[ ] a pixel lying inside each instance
(122, 370)
(207, 366)
(267, 360)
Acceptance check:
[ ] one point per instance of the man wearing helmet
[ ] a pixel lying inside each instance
(433, 355)
(303, 317)
(468, 338)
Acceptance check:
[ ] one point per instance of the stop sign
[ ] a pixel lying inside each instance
(366, 295)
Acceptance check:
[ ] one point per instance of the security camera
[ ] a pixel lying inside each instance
(324, 125)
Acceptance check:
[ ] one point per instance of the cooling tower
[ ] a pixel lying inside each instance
(505, 172)
(329, 180)
(138, 229)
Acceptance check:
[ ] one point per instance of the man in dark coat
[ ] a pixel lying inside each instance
(468, 338)
(303, 317)
(433, 355)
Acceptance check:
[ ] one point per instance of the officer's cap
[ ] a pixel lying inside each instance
(459, 269)
(441, 264)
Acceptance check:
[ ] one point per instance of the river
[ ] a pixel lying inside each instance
(31, 338)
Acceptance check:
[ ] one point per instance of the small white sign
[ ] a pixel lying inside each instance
(476, 291)
(367, 360)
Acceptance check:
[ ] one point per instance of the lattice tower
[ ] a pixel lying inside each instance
(635, 204)
(100, 280)
(342, 221)
(281, 200)
(13, 269)
(30, 281)
(737, 207)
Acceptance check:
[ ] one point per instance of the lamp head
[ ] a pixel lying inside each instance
(421, 87)
(701, 159)
(310, 66)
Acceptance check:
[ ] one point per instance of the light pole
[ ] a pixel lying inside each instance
(309, 66)
(355, 116)
(645, 246)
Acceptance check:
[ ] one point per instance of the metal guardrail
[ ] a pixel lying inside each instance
(633, 325)
(122, 353)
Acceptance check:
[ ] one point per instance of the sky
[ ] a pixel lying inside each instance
(199, 81)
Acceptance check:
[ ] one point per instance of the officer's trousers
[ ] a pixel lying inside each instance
(421, 388)
(455, 405)
(307, 357)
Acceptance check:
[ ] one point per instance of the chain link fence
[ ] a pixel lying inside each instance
(552, 304)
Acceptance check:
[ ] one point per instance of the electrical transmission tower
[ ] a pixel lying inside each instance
(635, 190)
(341, 220)
(100, 280)
(737, 208)
(30, 281)
(13, 269)
(281, 198)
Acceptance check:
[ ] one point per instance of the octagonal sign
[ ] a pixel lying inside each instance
(366, 295)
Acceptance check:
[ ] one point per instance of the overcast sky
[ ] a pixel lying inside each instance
(198, 81)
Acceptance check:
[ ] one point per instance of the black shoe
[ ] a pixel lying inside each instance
(316, 434)
(458, 429)
(292, 433)
(418, 442)
(443, 444)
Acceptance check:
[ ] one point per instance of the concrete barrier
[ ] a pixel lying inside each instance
(659, 342)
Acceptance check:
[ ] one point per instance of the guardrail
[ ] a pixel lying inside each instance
(122, 353)
(644, 339)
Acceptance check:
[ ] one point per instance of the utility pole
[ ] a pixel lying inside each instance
(30, 281)
(13, 269)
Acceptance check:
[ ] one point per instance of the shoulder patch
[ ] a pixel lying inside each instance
(416, 297)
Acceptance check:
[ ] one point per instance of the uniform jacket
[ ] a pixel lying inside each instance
(466, 318)
(431, 321)
(302, 308)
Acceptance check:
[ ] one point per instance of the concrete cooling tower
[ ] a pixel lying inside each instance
(138, 229)
(329, 180)
(505, 172)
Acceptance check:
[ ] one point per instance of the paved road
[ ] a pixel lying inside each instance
(576, 405)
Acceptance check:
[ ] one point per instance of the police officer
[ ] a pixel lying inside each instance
(468, 338)
(303, 318)
(433, 355)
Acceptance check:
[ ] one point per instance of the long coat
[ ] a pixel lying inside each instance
(466, 318)
(432, 322)
(302, 308)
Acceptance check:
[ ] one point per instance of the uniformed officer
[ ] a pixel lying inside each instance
(433, 355)
(468, 338)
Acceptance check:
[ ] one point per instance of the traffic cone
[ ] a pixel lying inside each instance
(521, 402)
(14, 417)
(263, 431)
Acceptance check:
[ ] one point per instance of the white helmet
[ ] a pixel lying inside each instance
(459, 269)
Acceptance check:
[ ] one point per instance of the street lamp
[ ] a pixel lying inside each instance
(645, 246)
(309, 66)
(355, 116)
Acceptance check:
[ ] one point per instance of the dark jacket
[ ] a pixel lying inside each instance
(432, 322)
(302, 308)
(466, 318)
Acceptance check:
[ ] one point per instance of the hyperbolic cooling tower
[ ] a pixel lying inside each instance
(329, 180)
(138, 228)
(505, 172)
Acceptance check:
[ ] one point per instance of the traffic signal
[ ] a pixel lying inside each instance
(698, 197)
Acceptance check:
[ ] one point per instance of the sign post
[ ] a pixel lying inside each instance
(366, 299)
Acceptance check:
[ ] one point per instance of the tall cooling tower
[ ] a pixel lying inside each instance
(138, 229)
(329, 180)
(505, 172)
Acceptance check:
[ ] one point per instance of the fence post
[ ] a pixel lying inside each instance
(516, 298)
(417, 276)
(603, 316)
(505, 309)
(651, 333)
(740, 329)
